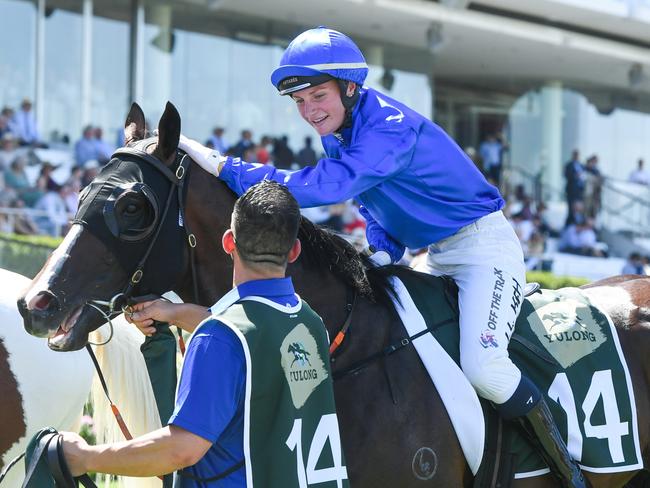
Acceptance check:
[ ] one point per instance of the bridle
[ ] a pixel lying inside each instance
(122, 301)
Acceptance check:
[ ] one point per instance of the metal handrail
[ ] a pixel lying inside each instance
(622, 212)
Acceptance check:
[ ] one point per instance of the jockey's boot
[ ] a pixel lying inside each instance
(541, 430)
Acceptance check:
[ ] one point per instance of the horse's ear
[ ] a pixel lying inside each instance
(134, 127)
(169, 132)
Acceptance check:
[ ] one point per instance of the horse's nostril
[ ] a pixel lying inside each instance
(45, 300)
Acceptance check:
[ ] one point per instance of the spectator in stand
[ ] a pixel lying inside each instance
(536, 248)
(8, 151)
(640, 175)
(282, 153)
(580, 238)
(307, 155)
(593, 187)
(23, 125)
(634, 265)
(4, 126)
(8, 115)
(490, 151)
(16, 179)
(216, 140)
(103, 149)
(90, 170)
(353, 222)
(574, 173)
(56, 219)
(23, 223)
(75, 179)
(85, 149)
(250, 154)
(246, 142)
(524, 228)
(262, 154)
(45, 178)
(70, 198)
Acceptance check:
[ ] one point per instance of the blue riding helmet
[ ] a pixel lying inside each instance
(316, 56)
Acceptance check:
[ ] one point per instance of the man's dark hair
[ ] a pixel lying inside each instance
(265, 223)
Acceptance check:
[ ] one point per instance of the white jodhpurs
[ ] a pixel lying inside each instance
(487, 263)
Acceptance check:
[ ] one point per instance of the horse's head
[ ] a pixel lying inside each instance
(128, 223)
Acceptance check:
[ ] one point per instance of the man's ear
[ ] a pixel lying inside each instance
(228, 242)
(295, 251)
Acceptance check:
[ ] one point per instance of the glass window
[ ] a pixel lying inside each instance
(17, 38)
(110, 77)
(62, 75)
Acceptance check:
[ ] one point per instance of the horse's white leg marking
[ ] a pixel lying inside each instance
(54, 264)
(614, 300)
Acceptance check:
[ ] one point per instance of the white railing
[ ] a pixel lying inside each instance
(626, 207)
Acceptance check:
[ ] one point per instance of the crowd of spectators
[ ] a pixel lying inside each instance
(269, 150)
(583, 190)
(54, 201)
(41, 203)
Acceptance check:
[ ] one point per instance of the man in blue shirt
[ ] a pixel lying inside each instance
(206, 430)
(417, 189)
(85, 149)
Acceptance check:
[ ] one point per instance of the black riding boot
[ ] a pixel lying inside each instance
(541, 430)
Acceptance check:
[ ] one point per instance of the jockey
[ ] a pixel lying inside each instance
(417, 188)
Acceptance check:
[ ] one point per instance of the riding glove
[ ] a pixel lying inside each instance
(210, 160)
(380, 240)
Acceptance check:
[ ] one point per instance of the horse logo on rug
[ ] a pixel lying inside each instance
(299, 354)
(303, 366)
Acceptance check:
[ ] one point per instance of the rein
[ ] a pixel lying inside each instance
(387, 351)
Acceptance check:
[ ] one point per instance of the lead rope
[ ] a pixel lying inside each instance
(114, 409)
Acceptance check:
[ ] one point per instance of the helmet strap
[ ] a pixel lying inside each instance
(348, 102)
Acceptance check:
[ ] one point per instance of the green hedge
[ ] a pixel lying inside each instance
(553, 282)
(25, 254)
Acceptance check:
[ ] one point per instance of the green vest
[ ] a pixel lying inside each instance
(291, 434)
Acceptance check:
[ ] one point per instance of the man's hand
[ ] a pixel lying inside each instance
(143, 315)
(75, 450)
(209, 159)
(184, 315)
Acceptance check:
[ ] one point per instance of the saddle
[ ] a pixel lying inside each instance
(45, 465)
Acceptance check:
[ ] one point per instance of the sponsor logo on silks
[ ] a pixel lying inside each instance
(488, 340)
(303, 367)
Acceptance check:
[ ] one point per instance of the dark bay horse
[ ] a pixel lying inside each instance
(387, 412)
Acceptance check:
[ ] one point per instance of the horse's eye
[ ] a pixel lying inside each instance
(131, 209)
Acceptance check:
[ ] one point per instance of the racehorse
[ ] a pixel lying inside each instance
(146, 226)
(40, 387)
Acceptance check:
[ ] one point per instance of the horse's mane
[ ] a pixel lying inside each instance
(330, 253)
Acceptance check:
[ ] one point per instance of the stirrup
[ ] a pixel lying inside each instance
(530, 288)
